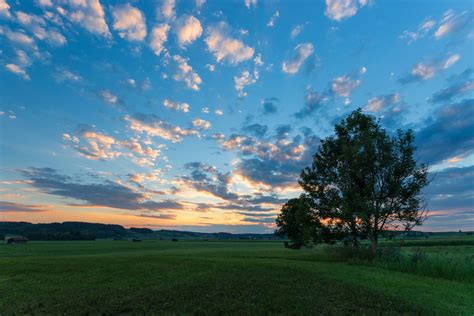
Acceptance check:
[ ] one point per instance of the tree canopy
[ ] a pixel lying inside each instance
(361, 182)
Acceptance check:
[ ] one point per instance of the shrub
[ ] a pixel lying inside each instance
(415, 261)
(417, 255)
(391, 254)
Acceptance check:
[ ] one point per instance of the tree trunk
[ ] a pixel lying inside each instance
(373, 247)
(355, 241)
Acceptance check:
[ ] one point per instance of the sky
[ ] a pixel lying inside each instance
(200, 114)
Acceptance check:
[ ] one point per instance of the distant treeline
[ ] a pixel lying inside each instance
(91, 231)
(62, 231)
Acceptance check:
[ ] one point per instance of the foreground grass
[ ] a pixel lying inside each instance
(105, 277)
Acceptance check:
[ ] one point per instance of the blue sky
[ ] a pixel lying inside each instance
(200, 114)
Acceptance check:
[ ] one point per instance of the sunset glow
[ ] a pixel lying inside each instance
(200, 115)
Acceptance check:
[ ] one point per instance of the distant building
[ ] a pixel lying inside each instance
(16, 240)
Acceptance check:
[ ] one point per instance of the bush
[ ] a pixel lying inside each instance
(415, 261)
(293, 245)
(417, 255)
(391, 254)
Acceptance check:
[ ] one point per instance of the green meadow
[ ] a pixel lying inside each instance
(234, 277)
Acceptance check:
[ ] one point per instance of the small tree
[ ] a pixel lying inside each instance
(363, 181)
(297, 222)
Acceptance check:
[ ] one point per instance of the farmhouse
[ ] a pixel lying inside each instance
(16, 240)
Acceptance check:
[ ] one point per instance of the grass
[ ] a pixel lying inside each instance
(448, 262)
(111, 277)
(445, 262)
(432, 242)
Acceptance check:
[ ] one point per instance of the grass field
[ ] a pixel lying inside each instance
(163, 277)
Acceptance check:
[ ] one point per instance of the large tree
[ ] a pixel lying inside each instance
(363, 181)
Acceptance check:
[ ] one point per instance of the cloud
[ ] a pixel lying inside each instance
(297, 30)
(451, 25)
(159, 216)
(460, 85)
(300, 53)
(51, 36)
(21, 208)
(37, 26)
(181, 107)
(423, 71)
(89, 14)
(449, 133)
(11, 115)
(451, 60)
(219, 112)
(166, 11)
(273, 19)
(63, 74)
(24, 46)
(210, 67)
(159, 36)
(449, 220)
(454, 24)
(23, 58)
(200, 3)
(201, 124)
(258, 61)
(270, 106)
(274, 160)
(44, 3)
(187, 29)
(339, 10)
(139, 178)
(17, 70)
(19, 38)
(426, 71)
(420, 32)
(206, 178)
(4, 9)
(381, 102)
(239, 205)
(104, 192)
(26, 19)
(185, 73)
(147, 153)
(250, 3)
(224, 47)
(344, 85)
(260, 219)
(129, 22)
(209, 180)
(258, 130)
(341, 86)
(110, 98)
(451, 190)
(313, 101)
(389, 108)
(156, 127)
(245, 79)
(99, 146)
